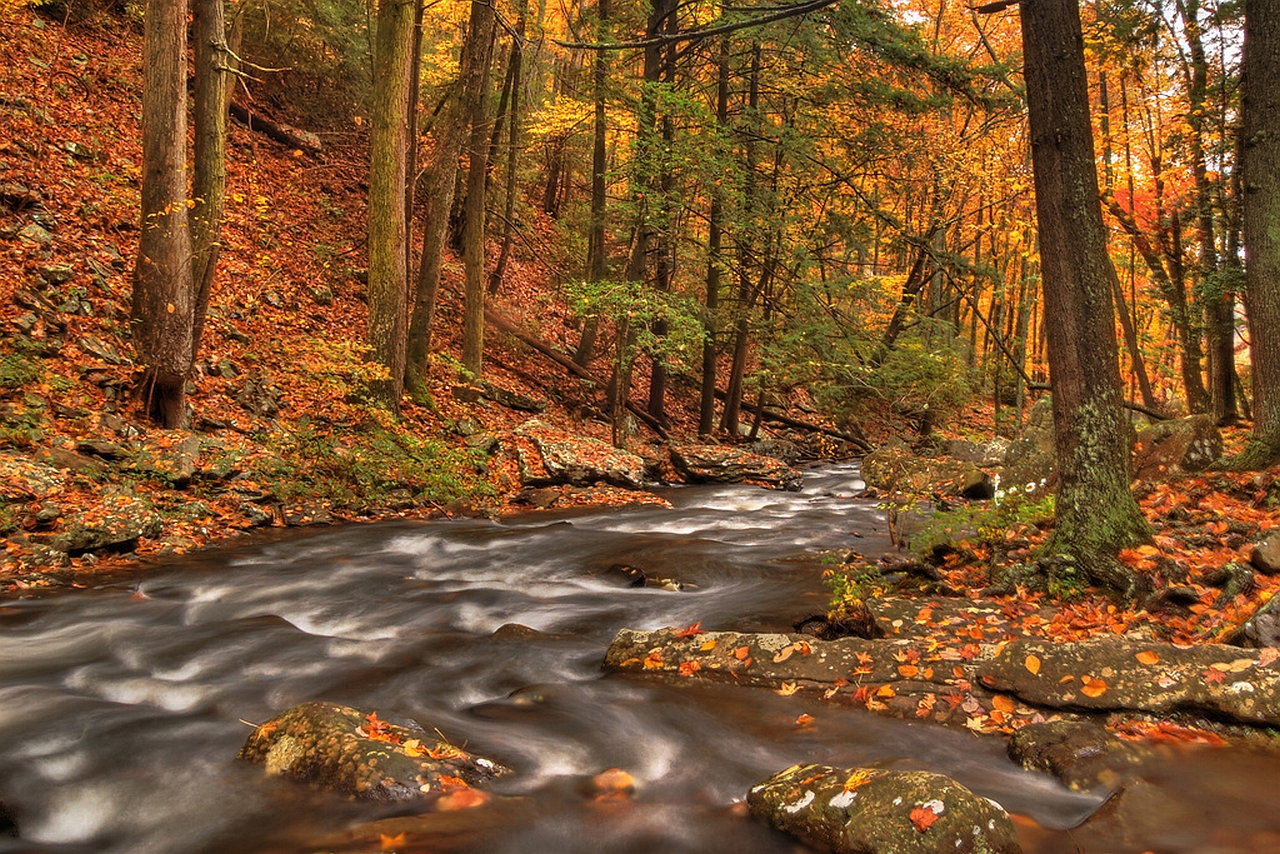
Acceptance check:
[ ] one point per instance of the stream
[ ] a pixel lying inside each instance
(122, 708)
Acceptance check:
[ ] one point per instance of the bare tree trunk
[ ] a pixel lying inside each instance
(515, 72)
(597, 252)
(164, 296)
(438, 183)
(473, 213)
(209, 167)
(388, 175)
(715, 239)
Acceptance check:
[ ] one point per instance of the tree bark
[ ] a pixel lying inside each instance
(597, 252)
(388, 174)
(474, 208)
(515, 72)
(209, 167)
(715, 240)
(438, 183)
(163, 294)
(1096, 514)
(1261, 209)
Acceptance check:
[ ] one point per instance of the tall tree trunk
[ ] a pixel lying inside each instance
(715, 239)
(597, 254)
(1096, 514)
(473, 213)
(388, 174)
(438, 183)
(1261, 177)
(209, 167)
(515, 72)
(163, 295)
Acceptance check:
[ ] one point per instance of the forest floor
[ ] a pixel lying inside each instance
(276, 422)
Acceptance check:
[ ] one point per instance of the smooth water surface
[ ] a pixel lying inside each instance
(121, 709)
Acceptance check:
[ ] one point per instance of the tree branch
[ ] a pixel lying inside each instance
(782, 13)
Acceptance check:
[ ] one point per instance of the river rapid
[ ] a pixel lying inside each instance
(122, 708)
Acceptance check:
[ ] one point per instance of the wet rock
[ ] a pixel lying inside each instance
(256, 516)
(627, 576)
(549, 456)
(115, 525)
(1260, 630)
(1216, 681)
(345, 750)
(1140, 816)
(1081, 754)
(873, 811)
(1178, 445)
(306, 516)
(721, 464)
(1265, 556)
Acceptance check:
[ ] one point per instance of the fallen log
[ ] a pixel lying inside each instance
(787, 421)
(283, 134)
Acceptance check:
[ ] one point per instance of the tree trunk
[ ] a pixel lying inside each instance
(715, 239)
(515, 72)
(209, 169)
(1261, 176)
(473, 212)
(1096, 514)
(163, 295)
(438, 183)
(388, 174)
(597, 252)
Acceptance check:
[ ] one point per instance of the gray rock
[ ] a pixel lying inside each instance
(721, 464)
(345, 750)
(1175, 446)
(115, 524)
(1265, 556)
(22, 479)
(57, 274)
(874, 811)
(255, 515)
(548, 456)
(35, 233)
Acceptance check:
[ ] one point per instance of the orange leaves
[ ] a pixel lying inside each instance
(389, 842)
(1091, 687)
(1032, 664)
(1148, 657)
(376, 729)
(688, 668)
(462, 799)
(804, 721)
(653, 660)
(691, 631)
(922, 817)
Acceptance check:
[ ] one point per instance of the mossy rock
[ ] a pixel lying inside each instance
(874, 811)
(345, 750)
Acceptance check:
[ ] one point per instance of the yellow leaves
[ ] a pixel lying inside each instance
(708, 645)
(413, 748)
(787, 689)
(1236, 666)
(799, 646)
(1148, 657)
(653, 660)
(1032, 664)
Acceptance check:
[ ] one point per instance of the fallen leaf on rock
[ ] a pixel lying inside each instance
(805, 720)
(1092, 687)
(1148, 656)
(1033, 664)
(1003, 702)
(691, 631)
(688, 668)
(787, 689)
(708, 645)
(389, 842)
(741, 652)
(923, 818)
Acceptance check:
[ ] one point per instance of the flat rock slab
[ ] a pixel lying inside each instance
(721, 464)
(549, 456)
(1220, 682)
(874, 811)
(346, 750)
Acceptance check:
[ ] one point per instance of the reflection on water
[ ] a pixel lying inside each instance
(120, 715)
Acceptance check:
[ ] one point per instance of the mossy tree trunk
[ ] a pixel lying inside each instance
(1261, 174)
(1096, 512)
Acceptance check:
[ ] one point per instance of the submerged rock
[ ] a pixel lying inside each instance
(873, 811)
(345, 750)
(1083, 755)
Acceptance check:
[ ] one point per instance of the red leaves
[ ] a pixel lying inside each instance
(691, 631)
(923, 816)
(376, 729)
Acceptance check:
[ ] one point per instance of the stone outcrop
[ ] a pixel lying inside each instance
(874, 811)
(1176, 446)
(1082, 754)
(547, 457)
(345, 750)
(1265, 556)
(724, 464)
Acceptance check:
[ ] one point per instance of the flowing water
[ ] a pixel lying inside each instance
(121, 709)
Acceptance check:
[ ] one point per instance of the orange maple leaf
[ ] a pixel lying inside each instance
(923, 818)
(688, 668)
(691, 631)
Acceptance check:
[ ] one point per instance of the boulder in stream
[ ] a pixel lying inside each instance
(345, 750)
(1082, 754)
(723, 464)
(548, 456)
(874, 811)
